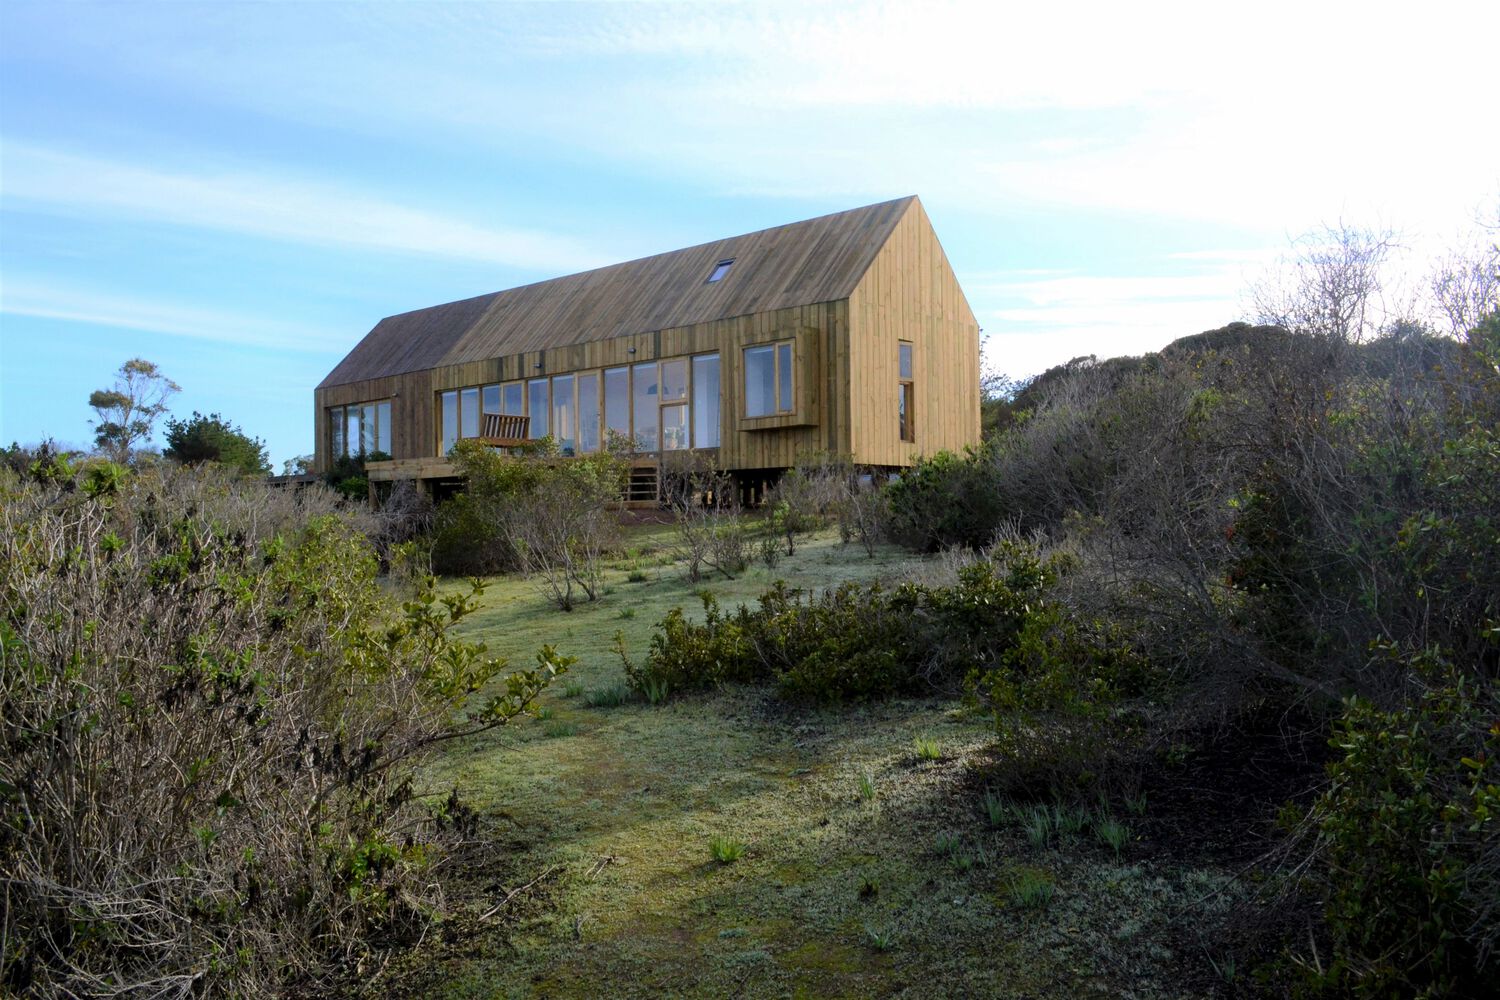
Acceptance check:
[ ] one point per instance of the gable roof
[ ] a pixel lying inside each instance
(818, 260)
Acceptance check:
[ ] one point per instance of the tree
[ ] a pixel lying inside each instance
(213, 439)
(128, 409)
(1330, 286)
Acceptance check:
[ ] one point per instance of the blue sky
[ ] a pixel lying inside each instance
(240, 191)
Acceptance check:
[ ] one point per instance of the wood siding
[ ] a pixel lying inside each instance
(818, 331)
(910, 293)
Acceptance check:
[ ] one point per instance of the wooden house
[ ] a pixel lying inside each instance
(846, 334)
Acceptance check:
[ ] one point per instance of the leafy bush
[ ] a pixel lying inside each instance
(945, 501)
(213, 439)
(1411, 832)
(210, 713)
(859, 642)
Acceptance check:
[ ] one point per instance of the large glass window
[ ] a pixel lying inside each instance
(706, 401)
(645, 397)
(489, 399)
(369, 428)
(617, 401)
(513, 399)
(760, 381)
(536, 398)
(588, 412)
(468, 413)
(564, 414)
(448, 435)
(353, 428)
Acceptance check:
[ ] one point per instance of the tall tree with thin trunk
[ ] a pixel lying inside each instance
(128, 409)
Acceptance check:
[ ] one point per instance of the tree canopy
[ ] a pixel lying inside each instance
(211, 438)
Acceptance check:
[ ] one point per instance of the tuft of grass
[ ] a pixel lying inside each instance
(1111, 832)
(1031, 890)
(867, 786)
(927, 749)
(553, 730)
(1136, 804)
(610, 696)
(656, 690)
(572, 689)
(626, 613)
(869, 887)
(947, 843)
(1069, 821)
(997, 809)
(637, 576)
(544, 713)
(726, 850)
(1038, 826)
(880, 940)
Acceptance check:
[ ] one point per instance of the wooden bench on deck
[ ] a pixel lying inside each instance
(504, 430)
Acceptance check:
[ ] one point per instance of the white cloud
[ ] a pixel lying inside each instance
(45, 299)
(260, 204)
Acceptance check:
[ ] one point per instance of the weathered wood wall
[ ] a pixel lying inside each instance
(911, 293)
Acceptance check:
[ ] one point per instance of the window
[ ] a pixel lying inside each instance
(361, 429)
(645, 396)
(536, 396)
(906, 400)
(564, 412)
(769, 386)
(489, 399)
(588, 412)
(468, 413)
(674, 427)
(448, 433)
(706, 401)
(617, 401)
(720, 269)
(674, 380)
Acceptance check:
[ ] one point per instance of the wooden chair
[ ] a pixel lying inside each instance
(504, 430)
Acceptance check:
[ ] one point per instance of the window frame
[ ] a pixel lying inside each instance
(783, 377)
(906, 389)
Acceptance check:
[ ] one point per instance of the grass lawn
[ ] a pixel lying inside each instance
(864, 869)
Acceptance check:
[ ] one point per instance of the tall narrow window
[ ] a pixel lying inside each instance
(906, 401)
(536, 399)
(448, 432)
(354, 434)
(760, 381)
(617, 401)
(468, 413)
(674, 427)
(369, 429)
(645, 397)
(383, 423)
(513, 399)
(336, 432)
(706, 401)
(564, 415)
(783, 378)
(588, 412)
(489, 399)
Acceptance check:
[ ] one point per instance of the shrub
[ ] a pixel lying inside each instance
(213, 439)
(946, 500)
(1411, 841)
(210, 714)
(860, 642)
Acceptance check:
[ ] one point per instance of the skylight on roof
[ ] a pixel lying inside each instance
(720, 269)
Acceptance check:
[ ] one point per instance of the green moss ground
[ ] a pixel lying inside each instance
(836, 895)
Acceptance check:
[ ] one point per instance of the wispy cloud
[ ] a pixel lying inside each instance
(259, 203)
(22, 296)
(1034, 322)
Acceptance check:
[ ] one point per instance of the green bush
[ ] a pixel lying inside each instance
(210, 716)
(945, 501)
(861, 642)
(1411, 835)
